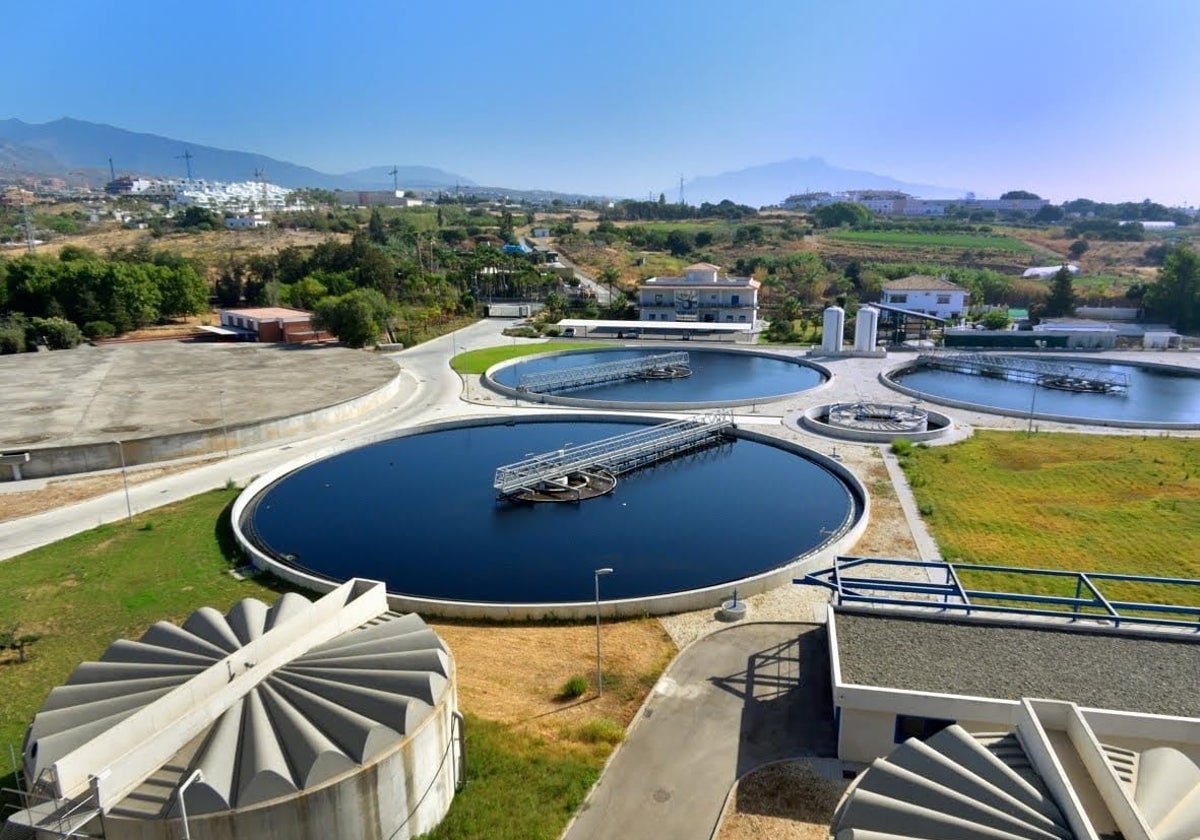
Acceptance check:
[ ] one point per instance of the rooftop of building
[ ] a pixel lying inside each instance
(1092, 667)
(922, 283)
(738, 282)
(266, 313)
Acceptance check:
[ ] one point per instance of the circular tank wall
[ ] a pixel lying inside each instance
(1158, 396)
(718, 378)
(419, 512)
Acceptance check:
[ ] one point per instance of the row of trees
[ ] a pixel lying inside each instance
(102, 296)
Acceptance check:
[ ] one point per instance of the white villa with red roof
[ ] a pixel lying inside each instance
(935, 296)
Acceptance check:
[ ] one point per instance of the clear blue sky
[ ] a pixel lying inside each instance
(1094, 98)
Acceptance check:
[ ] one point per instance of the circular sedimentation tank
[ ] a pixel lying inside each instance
(710, 378)
(1150, 395)
(420, 512)
(875, 421)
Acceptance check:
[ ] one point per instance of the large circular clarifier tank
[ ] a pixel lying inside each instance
(420, 513)
(1156, 396)
(718, 378)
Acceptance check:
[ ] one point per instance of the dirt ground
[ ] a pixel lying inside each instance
(788, 801)
(59, 492)
(515, 673)
(211, 246)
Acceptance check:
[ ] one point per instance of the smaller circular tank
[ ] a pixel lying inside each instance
(835, 328)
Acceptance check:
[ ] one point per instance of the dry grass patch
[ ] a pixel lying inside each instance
(786, 801)
(514, 674)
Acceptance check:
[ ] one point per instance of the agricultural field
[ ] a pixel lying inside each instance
(1126, 504)
(918, 239)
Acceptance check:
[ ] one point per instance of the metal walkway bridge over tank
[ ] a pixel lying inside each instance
(1049, 374)
(614, 455)
(584, 376)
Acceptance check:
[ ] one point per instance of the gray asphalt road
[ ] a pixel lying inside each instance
(729, 703)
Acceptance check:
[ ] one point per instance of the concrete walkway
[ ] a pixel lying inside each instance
(729, 703)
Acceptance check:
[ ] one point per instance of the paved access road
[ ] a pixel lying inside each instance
(729, 703)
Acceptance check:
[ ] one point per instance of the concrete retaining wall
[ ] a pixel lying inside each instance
(693, 599)
(106, 455)
(488, 381)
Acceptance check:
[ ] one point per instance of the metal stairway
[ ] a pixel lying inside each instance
(615, 455)
(584, 376)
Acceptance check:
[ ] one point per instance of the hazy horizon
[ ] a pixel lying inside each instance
(1067, 100)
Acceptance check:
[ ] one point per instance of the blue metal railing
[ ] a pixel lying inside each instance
(1094, 605)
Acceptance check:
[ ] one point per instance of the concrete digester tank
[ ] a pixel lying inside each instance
(866, 329)
(333, 718)
(834, 329)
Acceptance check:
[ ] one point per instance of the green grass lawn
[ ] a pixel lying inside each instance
(1124, 504)
(478, 361)
(914, 239)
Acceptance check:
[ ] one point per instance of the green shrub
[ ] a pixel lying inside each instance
(902, 447)
(99, 329)
(577, 686)
(57, 333)
(12, 339)
(927, 508)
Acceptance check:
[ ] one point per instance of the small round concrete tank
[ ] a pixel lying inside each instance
(866, 329)
(835, 328)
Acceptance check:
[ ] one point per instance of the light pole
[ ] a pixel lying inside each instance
(125, 481)
(224, 425)
(196, 776)
(599, 675)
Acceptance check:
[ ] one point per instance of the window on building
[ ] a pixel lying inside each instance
(741, 317)
(658, 298)
(895, 298)
(734, 300)
(650, 317)
(914, 726)
(943, 299)
(728, 317)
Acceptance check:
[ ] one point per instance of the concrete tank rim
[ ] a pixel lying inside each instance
(487, 379)
(662, 604)
(885, 379)
(810, 420)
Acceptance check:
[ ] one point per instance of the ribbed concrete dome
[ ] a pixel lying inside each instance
(316, 717)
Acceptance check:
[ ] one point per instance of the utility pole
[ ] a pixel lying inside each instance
(681, 188)
(395, 184)
(112, 173)
(29, 241)
(187, 156)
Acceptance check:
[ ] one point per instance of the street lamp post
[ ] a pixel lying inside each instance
(599, 675)
(125, 481)
(196, 776)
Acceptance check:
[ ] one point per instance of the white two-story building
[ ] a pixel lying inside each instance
(929, 295)
(700, 295)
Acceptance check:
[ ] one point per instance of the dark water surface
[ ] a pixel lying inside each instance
(1153, 396)
(420, 513)
(716, 376)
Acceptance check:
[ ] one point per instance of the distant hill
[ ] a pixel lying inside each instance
(68, 145)
(771, 183)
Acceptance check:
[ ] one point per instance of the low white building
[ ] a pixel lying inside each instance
(928, 295)
(1045, 272)
(251, 220)
(700, 295)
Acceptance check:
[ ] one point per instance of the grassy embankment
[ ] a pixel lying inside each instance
(478, 361)
(112, 582)
(1124, 504)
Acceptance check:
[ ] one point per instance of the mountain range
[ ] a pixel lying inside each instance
(81, 151)
(75, 147)
(771, 183)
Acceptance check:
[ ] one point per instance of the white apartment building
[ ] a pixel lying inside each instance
(700, 295)
(930, 295)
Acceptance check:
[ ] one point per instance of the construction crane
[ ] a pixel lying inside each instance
(112, 173)
(395, 184)
(187, 156)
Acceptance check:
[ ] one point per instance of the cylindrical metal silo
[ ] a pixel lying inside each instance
(866, 329)
(835, 328)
